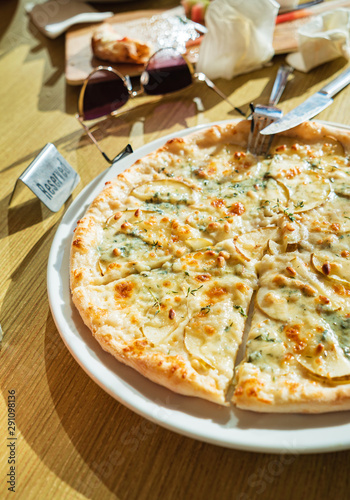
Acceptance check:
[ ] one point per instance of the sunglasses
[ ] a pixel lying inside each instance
(105, 90)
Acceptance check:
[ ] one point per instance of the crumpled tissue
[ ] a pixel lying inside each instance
(239, 37)
(324, 38)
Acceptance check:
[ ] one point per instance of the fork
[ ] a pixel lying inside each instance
(263, 115)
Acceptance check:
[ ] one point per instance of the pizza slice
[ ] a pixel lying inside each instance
(109, 45)
(180, 329)
(298, 349)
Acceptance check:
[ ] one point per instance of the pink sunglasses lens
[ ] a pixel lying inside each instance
(105, 92)
(166, 72)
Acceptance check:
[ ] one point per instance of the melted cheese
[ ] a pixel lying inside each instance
(312, 323)
(180, 249)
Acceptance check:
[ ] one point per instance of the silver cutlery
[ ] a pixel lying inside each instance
(311, 107)
(262, 115)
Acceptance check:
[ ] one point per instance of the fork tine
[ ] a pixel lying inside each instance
(257, 143)
(252, 132)
(263, 142)
(262, 116)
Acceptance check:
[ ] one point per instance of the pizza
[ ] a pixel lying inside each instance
(200, 246)
(109, 45)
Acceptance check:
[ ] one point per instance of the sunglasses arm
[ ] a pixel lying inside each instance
(80, 120)
(203, 78)
(125, 152)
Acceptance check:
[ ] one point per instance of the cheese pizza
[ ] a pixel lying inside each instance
(201, 246)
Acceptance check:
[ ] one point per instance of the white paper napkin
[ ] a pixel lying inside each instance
(239, 37)
(324, 38)
(54, 17)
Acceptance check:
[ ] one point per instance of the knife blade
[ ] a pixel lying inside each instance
(311, 107)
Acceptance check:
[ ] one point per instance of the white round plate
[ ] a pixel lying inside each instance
(199, 419)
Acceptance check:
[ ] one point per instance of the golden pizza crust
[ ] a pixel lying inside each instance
(108, 45)
(297, 394)
(166, 259)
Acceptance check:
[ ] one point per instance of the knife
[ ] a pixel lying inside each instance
(311, 107)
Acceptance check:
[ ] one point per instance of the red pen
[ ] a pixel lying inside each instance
(293, 15)
(311, 10)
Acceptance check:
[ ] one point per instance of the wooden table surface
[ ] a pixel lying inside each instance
(72, 439)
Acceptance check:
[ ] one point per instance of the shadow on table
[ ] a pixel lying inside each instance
(134, 458)
(159, 114)
(175, 111)
(25, 211)
(164, 115)
(6, 19)
(21, 216)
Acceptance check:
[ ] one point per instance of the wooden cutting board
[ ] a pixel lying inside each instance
(285, 38)
(80, 60)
